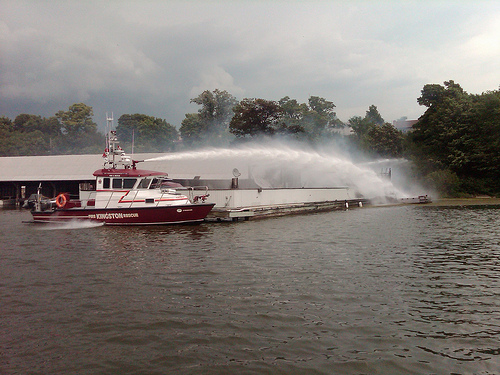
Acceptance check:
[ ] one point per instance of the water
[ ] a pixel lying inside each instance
(394, 290)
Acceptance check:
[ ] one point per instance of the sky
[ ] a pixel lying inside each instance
(152, 57)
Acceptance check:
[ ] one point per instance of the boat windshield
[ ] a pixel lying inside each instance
(150, 183)
(155, 183)
(144, 184)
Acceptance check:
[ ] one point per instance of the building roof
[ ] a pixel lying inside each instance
(82, 167)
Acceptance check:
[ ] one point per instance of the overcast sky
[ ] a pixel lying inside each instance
(152, 57)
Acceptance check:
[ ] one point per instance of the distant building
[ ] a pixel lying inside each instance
(404, 125)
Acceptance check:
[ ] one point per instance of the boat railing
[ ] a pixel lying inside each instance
(195, 194)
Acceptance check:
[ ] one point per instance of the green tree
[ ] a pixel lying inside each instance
(312, 121)
(360, 127)
(29, 135)
(5, 125)
(191, 129)
(320, 120)
(27, 123)
(77, 120)
(374, 136)
(438, 137)
(373, 116)
(149, 133)
(257, 117)
(459, 133)
(79, 131)
(445, 182)
(385, 141)
(6, 130)
(293, 112)
(431, 94)
(210, 126)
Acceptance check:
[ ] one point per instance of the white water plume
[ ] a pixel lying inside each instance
(314, 168)
(71, 224)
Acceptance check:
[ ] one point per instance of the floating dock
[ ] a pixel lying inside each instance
(245, 204)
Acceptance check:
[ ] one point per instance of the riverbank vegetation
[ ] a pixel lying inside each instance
(454, 145)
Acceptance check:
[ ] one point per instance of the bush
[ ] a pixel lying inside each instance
(445, 182)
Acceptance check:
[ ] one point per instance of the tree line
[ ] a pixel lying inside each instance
(454, 146)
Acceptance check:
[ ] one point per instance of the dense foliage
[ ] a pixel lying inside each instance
(210, 125)
(456, 142)
(287, 117)
(146, 133)
(374, 136)
(68, 132)
(455, 145)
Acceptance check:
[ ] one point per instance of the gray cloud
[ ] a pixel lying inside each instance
(154, 56)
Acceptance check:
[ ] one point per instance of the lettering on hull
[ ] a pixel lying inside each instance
(113, 215)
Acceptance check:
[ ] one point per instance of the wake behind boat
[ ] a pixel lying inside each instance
(125, 195)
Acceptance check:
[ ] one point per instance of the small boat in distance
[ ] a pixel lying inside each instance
(125, 195)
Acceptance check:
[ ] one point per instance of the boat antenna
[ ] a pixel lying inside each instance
(109, 127)
(133, 140)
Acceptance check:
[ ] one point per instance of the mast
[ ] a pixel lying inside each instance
(109, 127)
(114, 154)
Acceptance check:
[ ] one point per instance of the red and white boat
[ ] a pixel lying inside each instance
(125, 195)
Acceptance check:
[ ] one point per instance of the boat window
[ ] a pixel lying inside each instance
(128, 183)
(155, 183)
(86, 186)
(117, 183)
(144, 183)
(105, 183)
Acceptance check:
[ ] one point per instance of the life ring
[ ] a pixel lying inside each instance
(61, 200)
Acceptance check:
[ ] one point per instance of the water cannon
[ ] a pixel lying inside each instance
(134, 162)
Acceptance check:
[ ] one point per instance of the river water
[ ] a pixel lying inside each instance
(388, 290)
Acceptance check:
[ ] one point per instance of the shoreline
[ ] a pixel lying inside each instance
(479, 201)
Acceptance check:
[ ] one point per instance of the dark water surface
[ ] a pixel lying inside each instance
(394, 290)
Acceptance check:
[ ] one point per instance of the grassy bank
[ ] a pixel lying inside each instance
(480, 201)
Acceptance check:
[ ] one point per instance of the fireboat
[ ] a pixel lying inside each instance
(125, 195)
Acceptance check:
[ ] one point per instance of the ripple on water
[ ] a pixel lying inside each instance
(389, 290)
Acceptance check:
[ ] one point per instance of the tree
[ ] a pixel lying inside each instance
(212, 120)
(215, 108)
(25, 123)
(360, 127)
(79, 131)
(431, 95)
(293, 111)
(253, 117)
(77, 120)
(459, 133)
(5, 125)
(373, 116)
(385, 141)
(150, 133)
(30, 135)
(320, 118)
(374, 136)
(191, 128)
(6, 129)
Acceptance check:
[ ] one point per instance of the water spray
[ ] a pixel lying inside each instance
(317, 169)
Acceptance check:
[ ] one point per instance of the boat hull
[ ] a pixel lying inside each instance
(137, 216)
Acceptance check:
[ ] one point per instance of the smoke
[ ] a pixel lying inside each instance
(280, 164)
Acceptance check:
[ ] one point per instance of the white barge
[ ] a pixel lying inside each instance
(235, 204)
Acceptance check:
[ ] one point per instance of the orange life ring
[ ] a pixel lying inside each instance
(61, 200)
